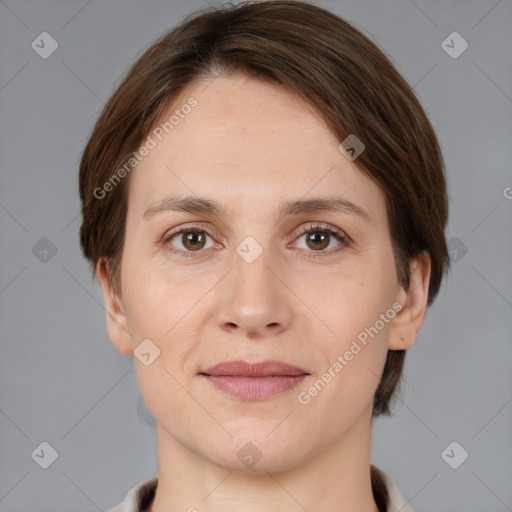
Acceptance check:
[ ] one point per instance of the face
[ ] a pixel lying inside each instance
(268, 276)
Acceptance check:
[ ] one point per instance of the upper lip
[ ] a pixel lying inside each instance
(240, 368)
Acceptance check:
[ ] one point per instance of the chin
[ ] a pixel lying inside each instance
(250, 453)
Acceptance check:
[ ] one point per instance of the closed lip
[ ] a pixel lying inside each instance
(240, 368)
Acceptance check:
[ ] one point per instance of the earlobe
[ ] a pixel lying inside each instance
(405, 326)
(117, 326)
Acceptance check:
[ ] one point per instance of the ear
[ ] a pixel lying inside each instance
(117, 326)
(406, 324)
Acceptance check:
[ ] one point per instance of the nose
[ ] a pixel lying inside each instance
(253, 299)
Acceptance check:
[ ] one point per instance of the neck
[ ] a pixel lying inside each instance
(336, 478)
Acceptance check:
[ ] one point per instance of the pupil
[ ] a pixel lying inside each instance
(193, 239)
(319, 239)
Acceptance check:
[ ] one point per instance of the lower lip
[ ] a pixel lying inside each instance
(255, 388)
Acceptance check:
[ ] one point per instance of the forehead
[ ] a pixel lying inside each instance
(249, 138)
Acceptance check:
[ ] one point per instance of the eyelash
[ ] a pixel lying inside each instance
(311, 228)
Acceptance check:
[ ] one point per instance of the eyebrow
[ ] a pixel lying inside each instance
(195, 204)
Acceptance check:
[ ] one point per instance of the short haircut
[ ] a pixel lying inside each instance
(309, 52)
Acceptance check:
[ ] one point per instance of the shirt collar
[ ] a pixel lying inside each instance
(140, 496)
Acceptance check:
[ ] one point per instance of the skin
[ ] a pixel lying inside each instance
(249, 146)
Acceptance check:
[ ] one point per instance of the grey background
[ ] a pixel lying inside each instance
(61, 380)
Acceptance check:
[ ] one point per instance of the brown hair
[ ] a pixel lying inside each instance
(307, 51)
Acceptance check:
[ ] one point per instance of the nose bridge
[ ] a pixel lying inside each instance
(252, 297)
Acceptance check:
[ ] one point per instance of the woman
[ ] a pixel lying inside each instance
(264, 205)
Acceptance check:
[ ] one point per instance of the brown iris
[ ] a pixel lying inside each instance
(193, 240)
(320, 239)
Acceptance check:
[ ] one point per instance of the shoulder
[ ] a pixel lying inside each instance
(139, 497)
(396, 502)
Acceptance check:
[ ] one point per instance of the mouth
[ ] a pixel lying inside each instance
(254, 381)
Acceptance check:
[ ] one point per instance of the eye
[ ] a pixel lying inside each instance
(188, 240)
(318, 238)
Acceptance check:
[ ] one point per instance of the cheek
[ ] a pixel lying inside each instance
(152, 300)
(162, 311)
(169, 312)
(345, 388)
(350, 302)
(359, 314)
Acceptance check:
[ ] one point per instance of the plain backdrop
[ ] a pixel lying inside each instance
(61, 380)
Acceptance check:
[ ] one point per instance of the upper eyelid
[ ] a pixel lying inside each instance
(178, 230)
